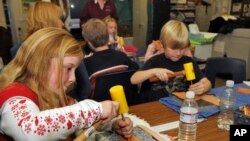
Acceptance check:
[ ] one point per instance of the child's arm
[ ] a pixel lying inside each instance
(22, 120)
(142, 75)
(153, 49)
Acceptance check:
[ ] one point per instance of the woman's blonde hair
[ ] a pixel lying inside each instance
(42, 14)
(32, 63)
(174, 34)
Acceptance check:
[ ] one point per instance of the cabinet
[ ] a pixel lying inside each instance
(182, 10)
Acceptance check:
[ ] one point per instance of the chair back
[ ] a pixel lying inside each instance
(4, 137)
(6, 44)
(234, 67)
(105, 81)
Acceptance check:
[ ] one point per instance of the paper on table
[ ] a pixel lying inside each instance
(247, 83)
(166, 126)
(170, 125)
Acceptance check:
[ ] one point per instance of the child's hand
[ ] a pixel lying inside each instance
(124, 127)
(198, 88)
(151, 48)
(158, 46)
(110, 109)
(154, 48)
(162, 73)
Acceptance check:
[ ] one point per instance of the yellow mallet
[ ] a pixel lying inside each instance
(117, 94)
(189, 71)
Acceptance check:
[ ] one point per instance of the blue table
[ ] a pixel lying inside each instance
(204, 112)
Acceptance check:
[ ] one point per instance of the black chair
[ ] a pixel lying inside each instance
(6, 44)
(225, 66)
(105, 81)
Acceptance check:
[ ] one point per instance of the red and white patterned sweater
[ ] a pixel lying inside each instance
(21, 118)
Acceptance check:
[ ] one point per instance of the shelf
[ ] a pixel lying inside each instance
(240, 8)
(182, 10)
(178, 1)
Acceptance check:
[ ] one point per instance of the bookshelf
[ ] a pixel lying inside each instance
(240, 8)
(182, 10)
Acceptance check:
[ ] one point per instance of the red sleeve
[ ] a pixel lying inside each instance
(17, 89)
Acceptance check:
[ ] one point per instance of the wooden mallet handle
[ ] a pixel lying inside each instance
(82, 135)
(178, 73)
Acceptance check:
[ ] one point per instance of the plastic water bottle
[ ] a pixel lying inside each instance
(227, 106)
(188, 118)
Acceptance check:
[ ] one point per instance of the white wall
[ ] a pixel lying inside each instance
(140, 23)
(17, 20)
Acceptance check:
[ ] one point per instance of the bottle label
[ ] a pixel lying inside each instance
(188, 115)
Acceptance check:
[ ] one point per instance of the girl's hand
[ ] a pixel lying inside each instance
(124, 127)
(110, 109)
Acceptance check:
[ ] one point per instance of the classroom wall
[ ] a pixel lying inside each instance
(16, 19)
(203, 17)
(2, 20)
(140, 23)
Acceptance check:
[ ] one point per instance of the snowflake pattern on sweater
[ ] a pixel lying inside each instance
(60, 121)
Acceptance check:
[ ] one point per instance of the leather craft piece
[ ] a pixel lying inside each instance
(207, 97)
(243, 90)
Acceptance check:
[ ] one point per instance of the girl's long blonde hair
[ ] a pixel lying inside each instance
(32, 63)
(42, 14)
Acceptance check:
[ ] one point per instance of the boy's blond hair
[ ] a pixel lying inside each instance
(174, 34)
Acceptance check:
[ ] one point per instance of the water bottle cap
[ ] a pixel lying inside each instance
(190, 94)
(229, 83)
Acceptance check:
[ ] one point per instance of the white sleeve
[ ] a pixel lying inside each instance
(22, 120)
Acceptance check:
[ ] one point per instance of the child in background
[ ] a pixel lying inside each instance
(115, 42)
(153, 49)
(96, 34)
(174, 39)
(33, 100)
(156, 48)
(41, 14)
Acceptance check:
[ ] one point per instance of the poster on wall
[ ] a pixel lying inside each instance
(28, 3)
